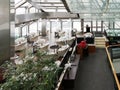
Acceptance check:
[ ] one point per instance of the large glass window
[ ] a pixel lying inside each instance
(20, 11)
(36, 10)
(117, 24)
(33, 28)
(94, 26)
(50, 10)
(17, 32)
(87, 23)
(77, 26)
(67, 27)
(53, 30)
(24, 31)
(48, 25)
(99, 26)
(61, 10)
(17, 1)
(105, 25)
(56, 25)
(39, 25)
(32, 10)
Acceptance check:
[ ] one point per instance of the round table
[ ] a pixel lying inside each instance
(55, 47)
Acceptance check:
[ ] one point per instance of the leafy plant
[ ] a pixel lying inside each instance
(40, 74)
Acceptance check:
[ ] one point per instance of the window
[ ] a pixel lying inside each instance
(77, 26)
(55, 24)
(67, 27)
(87, 23)
(117, 24)
(33, 28)
(39, 25)
(48, 26)
(32, 10)
(61, 10)
(24, 31)
(20, 11)
(105, 25)
(17, 1)
(99, 26)
(17, 32)
(94, 25)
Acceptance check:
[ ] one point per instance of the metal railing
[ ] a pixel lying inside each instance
(112, 67)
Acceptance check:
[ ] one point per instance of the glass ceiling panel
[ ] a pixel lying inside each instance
(46, 0)
(87, 6)
(17, 1)
(100, 9)
(52, 0)
(27, 4)
(49, 5)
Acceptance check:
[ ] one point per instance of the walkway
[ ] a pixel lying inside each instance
(94, 73)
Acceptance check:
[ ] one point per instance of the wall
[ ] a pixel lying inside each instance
(12, 27)
(4, 30)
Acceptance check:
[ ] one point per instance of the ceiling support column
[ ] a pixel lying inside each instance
(82, 25)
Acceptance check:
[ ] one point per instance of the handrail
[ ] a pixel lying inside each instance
(113, 45)
(113, 70)
(60, 79)
(65, 69)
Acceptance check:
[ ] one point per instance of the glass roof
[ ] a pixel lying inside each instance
(26, 5)
(96, 9)
(17, 1)
(45, 5)
(49, 5)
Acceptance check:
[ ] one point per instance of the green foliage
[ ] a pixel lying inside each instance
(40, 74)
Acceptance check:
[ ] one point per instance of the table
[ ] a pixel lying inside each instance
(55, 47)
